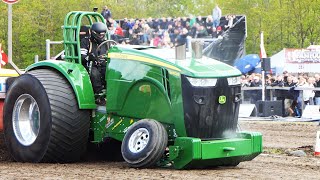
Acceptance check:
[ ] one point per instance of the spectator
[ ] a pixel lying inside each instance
(184, 21)
(111, 29)
(159, 30)
(256, 94)
(108, 22)
(209, 24)
(178, 26)
(147, 34)
(308, 94)
(171, 32)
(305, 75)
(130, 36)
(137, 30)
(218, 32)
(229, 18)
(214, 32)
(114, 22)
(302, 81)
(188, 26)
(174, 36)
(156, 24)
(142, 23)
(132, 23)
(289, 82)
(285, 76)
(256, 82)
(216, 15)
(279, 93)
(193, 31)
(289, 97)
(192, 20)
(135, 40)
(163, 23)
(119, 32)
(201, 32)
(200, 21)
(279, 82)
(250, 79)
(244, 81)
(317, 93)
(125, 27)
(269, 80)
(182, 38)
(170, 22)
(156, 40)
(166, 42)
(138, 22)
(150, 22)
(106, 13)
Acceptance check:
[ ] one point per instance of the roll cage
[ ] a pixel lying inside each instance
(73, 23)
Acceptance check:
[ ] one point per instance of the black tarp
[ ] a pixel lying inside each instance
(232, 44)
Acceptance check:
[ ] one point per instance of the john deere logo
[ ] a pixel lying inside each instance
(222, 99)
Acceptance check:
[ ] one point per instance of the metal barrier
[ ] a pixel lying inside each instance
(48, 44)
(250, 95)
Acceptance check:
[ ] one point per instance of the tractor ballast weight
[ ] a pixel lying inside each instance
(183, 112)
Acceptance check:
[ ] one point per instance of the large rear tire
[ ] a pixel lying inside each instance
(144, 143)
(42, 119)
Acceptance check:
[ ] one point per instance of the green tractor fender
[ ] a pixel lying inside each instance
(136, 98)
(77, 76)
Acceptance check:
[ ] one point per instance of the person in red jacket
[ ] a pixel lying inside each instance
(119, 31)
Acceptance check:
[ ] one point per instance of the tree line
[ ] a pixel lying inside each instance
(285, 23)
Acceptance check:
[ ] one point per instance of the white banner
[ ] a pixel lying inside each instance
(302, 60)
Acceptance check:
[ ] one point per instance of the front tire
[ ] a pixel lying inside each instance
(42, 119)
(144, 143)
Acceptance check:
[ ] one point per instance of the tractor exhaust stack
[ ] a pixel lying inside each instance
(180, 52)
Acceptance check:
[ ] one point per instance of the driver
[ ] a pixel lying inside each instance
(92, 60)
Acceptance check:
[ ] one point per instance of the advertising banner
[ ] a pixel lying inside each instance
(302, 60)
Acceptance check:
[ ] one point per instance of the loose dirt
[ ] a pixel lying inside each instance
(274, 163)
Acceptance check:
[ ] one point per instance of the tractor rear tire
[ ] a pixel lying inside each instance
(144, 144)
(42, 119)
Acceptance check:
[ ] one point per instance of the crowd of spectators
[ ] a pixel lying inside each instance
(292, 99)
(167, 31)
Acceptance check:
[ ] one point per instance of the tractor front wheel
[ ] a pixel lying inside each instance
(144, 143)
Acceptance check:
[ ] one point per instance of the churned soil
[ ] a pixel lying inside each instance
(279, 138)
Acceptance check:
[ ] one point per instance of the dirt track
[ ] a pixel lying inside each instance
(274, 163)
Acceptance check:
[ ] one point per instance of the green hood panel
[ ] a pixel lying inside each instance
(200, 68)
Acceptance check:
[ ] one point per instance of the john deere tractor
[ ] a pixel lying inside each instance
(163, 110)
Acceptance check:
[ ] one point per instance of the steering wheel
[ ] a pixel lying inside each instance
(108, 44)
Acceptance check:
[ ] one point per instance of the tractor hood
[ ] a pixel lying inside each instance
(201, 68)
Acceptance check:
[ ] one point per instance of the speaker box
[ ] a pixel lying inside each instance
(269, 108)
(265, 64)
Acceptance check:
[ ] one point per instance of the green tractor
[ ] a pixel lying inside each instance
(163, 110)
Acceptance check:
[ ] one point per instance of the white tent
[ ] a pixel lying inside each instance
(278, 61)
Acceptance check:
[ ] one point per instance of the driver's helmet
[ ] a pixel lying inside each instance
(98, 31)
